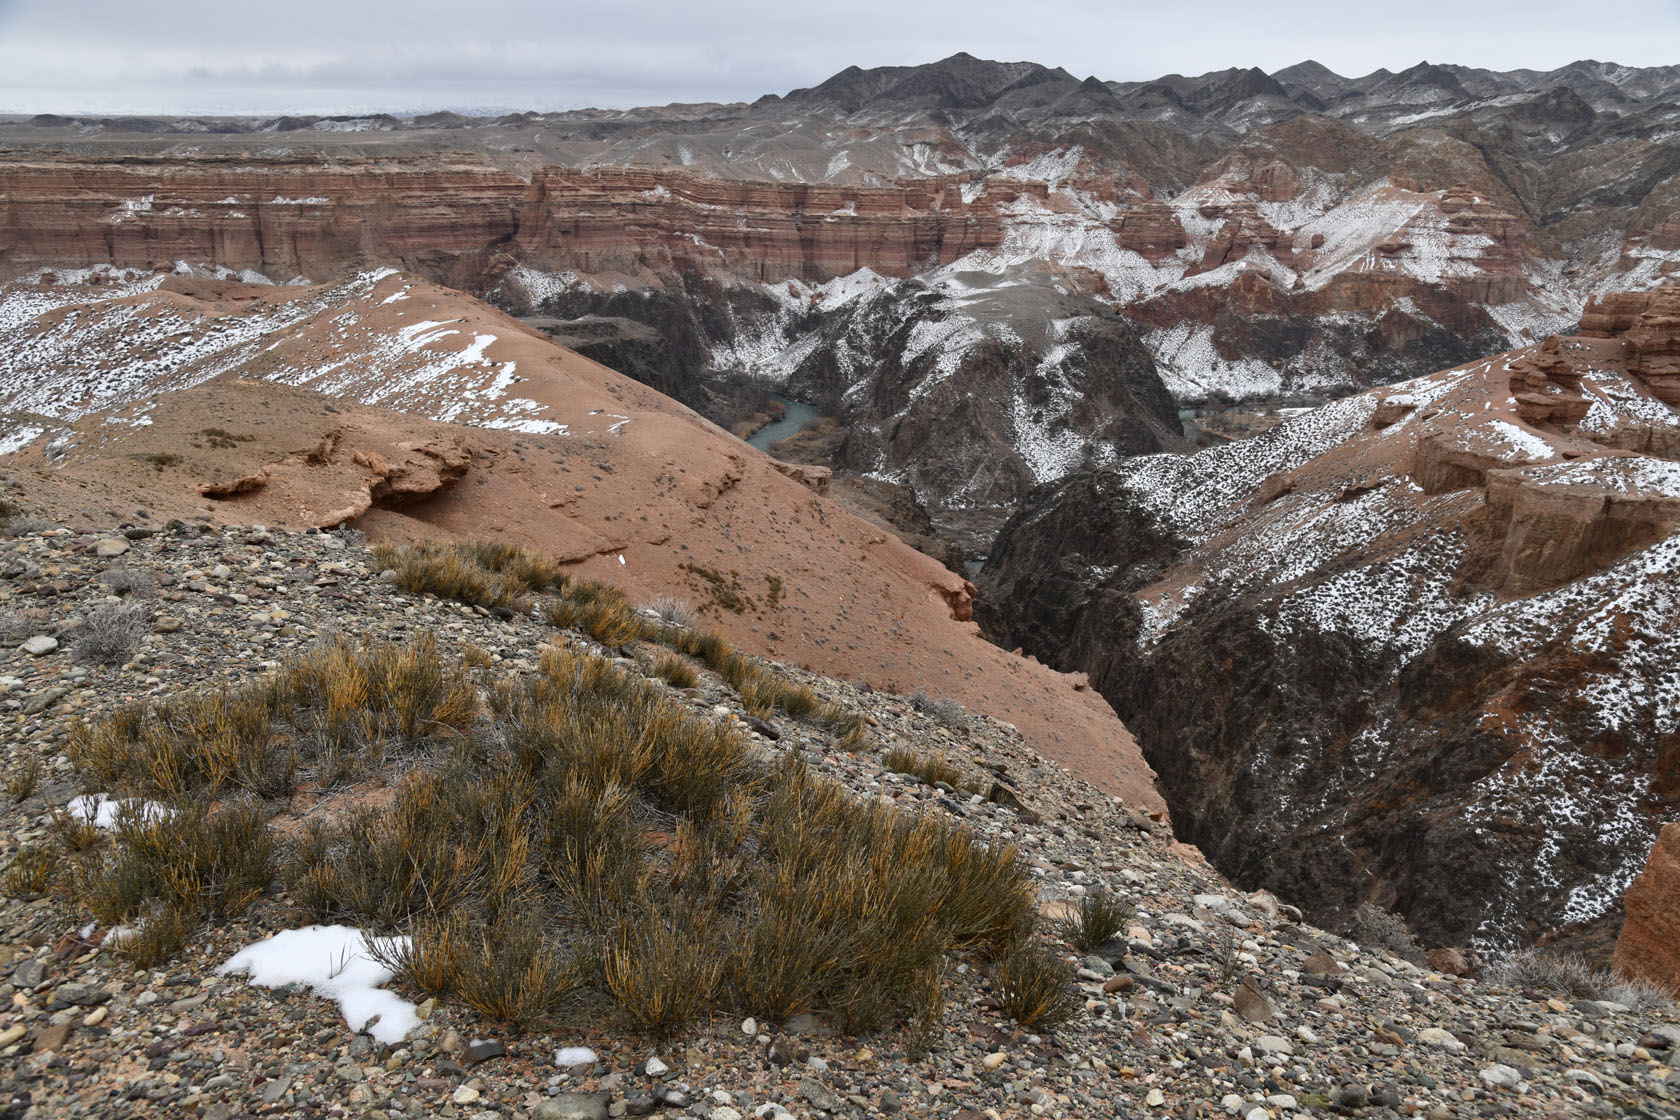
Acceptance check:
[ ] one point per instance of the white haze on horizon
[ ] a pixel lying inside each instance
(313, 57)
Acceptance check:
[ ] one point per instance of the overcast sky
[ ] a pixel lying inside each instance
(338, 56)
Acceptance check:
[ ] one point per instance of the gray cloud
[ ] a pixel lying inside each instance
(350, 56)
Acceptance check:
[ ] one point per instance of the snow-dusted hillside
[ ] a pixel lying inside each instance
(1418, 645)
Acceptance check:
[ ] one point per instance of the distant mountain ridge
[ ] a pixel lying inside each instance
(891, 237)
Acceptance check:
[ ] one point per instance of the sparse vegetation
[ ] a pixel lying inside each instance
(18, 625)
(160, 459)
(1378, 928)
(25, 525)
(674, 670)
(23, 777)
(221, 438)
(482, 573)
(30, 871)
(111, 635)
(1572, 976)
(326, 714)
(948, 712)
(608, 618)
(577, 834)
(723, 589)
(1036, 986)
(129, 581)
(196, 860)
(1101, 915)
(928, 769)
(673, 611)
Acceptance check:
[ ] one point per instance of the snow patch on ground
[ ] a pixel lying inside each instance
(101, 810)
(337, 963)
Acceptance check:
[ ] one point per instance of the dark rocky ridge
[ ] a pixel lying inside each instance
(1347, 690)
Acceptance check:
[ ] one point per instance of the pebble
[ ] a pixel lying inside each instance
(1167, 1018)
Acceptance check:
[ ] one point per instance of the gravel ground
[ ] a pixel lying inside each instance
(1211, 1003)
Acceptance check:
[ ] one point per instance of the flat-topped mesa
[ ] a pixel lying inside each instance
(462, 220)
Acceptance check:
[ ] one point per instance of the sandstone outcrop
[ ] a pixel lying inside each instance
(462, 220)
(1266, 240)
(1649, 947)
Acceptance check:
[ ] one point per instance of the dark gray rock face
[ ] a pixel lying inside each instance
(1339, 703)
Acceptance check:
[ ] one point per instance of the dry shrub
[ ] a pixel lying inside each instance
(675, 670)
(199, 860)
(508, 970)
(1378, 928)
(706, 646)
(129, 581)
(612, 622)
(111, 634)
(23, 778)
(663, 967)
(156, 933)
(1573, 976)
(673, 611)
(482, 573)
(578, 831)
(16, 625)
(30, 871)
(927, 769)
(341, 703)
(520, 569)
(948, 712)
(25, 526)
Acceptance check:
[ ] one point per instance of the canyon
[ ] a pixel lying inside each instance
(1415, 647)
(410, 411)
(862, 243)
(1410, 646)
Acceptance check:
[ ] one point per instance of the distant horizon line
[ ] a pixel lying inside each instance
(411, 111)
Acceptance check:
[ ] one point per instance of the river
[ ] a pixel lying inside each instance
(796, 417)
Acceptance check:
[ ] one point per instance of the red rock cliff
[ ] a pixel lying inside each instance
(460, 219)
(1649, 947)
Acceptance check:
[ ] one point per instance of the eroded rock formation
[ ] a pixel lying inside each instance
(1415, 647)
(1649, 947)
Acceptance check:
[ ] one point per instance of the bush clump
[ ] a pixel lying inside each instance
(481, 573)
(1036, 986)
(111, 634)
(1572, 976)
(1101, 915)
(927, 769)
(1381, 929)
(572, 837)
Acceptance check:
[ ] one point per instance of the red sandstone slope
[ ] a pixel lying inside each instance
(438, 416)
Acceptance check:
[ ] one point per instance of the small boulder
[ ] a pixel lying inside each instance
(572, 1106)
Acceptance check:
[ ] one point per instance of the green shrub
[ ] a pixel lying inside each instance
(1036, 987)
(1101, 915)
